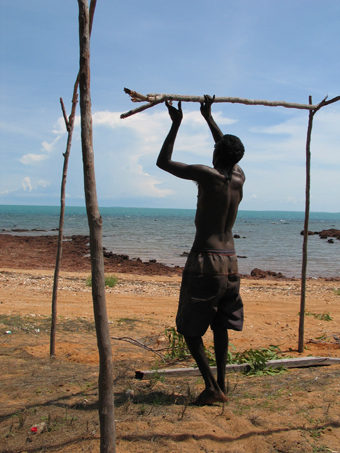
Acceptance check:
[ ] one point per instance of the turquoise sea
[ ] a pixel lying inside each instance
(269, 240)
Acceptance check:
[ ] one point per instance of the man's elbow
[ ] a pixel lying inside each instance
(161, 163)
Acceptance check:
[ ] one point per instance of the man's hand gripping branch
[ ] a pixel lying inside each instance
(176, 115)
(206, 113)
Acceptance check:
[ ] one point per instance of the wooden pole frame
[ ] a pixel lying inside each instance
(105, 381)
(69, 123)
(154, 99)
(69, 127)
(305, 233)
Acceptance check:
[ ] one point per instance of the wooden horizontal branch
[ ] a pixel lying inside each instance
(325, 102)
(154, 99)
(139, 109)
(287, 363)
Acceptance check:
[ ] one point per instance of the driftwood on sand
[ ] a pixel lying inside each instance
(300, 362)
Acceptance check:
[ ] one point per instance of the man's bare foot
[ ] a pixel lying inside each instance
(207, 397)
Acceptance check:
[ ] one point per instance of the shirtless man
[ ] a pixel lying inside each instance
(210, 285)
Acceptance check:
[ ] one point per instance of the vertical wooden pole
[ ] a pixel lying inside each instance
(69, 126)
(106, 402)
(69, 122)
(305, 233)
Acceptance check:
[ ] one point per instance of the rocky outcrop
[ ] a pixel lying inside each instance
(332, 233)
(258, 273)
(325, 234)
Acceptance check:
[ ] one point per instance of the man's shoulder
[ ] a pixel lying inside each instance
(238, 172)
(204, 173)
(238, 177)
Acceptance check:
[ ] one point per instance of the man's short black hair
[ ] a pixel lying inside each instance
(228, 151)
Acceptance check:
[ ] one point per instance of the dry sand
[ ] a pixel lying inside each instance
(290, 412)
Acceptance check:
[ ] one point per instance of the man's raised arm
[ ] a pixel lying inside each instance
(194, 172)
(206, 113)
(164, 159)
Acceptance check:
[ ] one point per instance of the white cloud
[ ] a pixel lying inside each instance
(147, 131)
(286, 141)
(151, 128)
(143, 183)
(49, 146)
(291, 200)
(59, 128)
(6, 192)
(292, 126)
(44, 183)
(26, 184)
(147, 187)
(32, 159)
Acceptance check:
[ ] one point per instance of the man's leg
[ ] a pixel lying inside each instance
(221, 353)
(212, 392)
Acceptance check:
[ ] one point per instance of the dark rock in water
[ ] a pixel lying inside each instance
(237, 236)
(240, 256)
(37, 229)
(19, 230)
(310, 233)
(115, 256)
(331, 241)
(185, 254)
(258, 273)
(152, 261)
(332, 233)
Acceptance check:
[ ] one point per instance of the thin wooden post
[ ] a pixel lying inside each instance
(305, 233)
(106, 402)
(69, 122)
(69, 126)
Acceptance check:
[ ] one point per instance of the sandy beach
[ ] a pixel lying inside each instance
(297, 410)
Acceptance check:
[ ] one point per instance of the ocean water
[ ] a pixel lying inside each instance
(269, 240)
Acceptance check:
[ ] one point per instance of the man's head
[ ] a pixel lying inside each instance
(228, 151)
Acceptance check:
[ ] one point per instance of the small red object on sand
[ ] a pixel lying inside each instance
(34, 429)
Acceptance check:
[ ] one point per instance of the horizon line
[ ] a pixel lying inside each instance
(181, 209)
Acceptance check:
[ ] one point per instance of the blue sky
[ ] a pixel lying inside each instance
(260, 49)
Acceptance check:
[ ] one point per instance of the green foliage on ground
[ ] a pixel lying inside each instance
(256, 359)
(326, 316)
(178, 348)
(110, 281)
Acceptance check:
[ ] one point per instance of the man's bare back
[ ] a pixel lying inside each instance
(217, 206)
